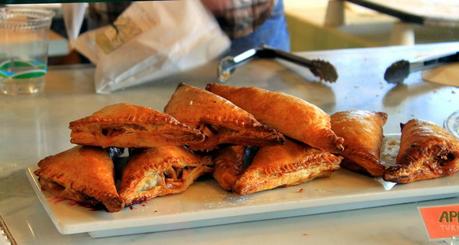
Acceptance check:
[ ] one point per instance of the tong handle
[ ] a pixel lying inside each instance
(230, 63)
(445, 59)
(267, 52)
(434, 61)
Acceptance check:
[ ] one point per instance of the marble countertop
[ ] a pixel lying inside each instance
(32, 127)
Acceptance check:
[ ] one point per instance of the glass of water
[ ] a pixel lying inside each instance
(23, 49)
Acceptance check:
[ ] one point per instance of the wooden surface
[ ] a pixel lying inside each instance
(436, 12)
(32, 127)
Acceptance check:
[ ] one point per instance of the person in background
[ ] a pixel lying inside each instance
(101, 14)
(248, 23)
(251, 23)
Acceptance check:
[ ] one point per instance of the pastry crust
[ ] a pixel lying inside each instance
(161, 171)
(363, 133)
(285, 165)
(83, 174)
(229, 165)
(127, 125)
(290, 115)
(427, 151)
(220, 120)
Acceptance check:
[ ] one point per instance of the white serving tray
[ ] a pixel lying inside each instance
(206, 204)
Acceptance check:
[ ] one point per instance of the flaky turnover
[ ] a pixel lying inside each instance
(285, 165)
(363, 134)
(221, 121)
(290, 115)
(229, 165)
(127, 125)
(161, 171)
(83, 174)
(427, 151)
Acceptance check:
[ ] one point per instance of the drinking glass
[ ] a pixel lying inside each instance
(23, 49)
(452, 124)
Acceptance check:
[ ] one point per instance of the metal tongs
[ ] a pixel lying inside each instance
(398, 71)
(320, 68)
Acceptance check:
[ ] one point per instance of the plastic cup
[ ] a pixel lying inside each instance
(452, 124)
(23, 49)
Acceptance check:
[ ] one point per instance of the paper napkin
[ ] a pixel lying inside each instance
(446, 75)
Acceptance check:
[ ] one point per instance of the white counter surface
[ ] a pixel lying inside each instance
(32, 127)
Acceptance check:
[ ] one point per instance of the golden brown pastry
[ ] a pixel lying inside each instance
(229, 163)
(83, 174)
(290, 115)
(285, 165)
(220, 120)
(427, 151)
(160, 171)
(127, 125)
(363, 133)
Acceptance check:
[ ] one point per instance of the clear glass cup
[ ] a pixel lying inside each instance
(23, 49)
(452, 124)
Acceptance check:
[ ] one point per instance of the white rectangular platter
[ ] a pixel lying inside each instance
(206, 204)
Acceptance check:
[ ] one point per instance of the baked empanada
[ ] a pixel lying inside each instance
(285, 165)
(161, 171)
(290, 115)
(427, 151)
(220, 120)
(127, 125)
(229, 163)
(83, 174)
(363, 133)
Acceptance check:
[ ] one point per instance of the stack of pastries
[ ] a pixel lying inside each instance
(249, 139)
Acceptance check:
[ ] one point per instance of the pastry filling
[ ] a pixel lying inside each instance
(67, 193)
(151, 181)
(444, 158)
(436, 164)
(115, 131)
(170, 178)
(208, 130)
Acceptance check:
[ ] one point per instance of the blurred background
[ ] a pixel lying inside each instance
(307, 25)
(362, 27)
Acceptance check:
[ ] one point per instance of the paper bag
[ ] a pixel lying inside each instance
(151, 40)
